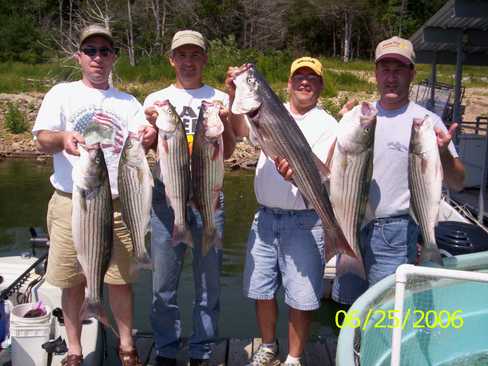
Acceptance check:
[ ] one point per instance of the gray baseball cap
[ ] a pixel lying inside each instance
(95, 30)
(188, 37)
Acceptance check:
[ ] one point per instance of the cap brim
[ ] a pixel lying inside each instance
(305, 67)
(104, 35)
(396, 57)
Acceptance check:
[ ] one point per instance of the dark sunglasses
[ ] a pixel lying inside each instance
(92, 51)
(310, 77)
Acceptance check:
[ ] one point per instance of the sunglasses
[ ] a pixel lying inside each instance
(102, 51)
(309, 77)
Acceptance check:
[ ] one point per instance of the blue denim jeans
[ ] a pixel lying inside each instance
(385, 244)
(285, 247)
(168, 264)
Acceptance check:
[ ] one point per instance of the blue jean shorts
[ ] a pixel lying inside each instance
(385, 244)
(285, 247)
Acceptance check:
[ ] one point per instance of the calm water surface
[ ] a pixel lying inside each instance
(25, 191)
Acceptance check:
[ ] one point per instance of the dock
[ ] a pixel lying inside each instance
(237, 352)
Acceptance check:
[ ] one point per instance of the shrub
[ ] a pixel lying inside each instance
(15, 120)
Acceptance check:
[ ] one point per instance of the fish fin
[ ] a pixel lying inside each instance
(210, 238)
(423, 165)
(182, 234)
(216, 151)
(95, 310)
(164, 143)
(430, 256)
(322, 168)
(139, 264)
(330, 155)
(413, 216)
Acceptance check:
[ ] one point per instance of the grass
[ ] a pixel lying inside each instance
(152, 73)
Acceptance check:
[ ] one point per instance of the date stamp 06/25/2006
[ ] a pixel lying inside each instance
(390, 319)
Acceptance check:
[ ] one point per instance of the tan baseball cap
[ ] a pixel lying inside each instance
(95, 30)
(310, 62)
(396, 48)
(188, 37)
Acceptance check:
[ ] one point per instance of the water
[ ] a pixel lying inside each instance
(477, 359)
(25, 191)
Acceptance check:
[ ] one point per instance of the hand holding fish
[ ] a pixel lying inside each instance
(71, 139)
(350, 104)
(148, 136)
(151, 114)
(284, 168)
(444, 138)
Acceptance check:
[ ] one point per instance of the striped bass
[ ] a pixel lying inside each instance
(174, 163)
(351, 170)
(279, 136)
(135, 184)
(92, 225)
(425, 184)
(207, 169)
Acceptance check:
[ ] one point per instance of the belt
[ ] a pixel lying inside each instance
(280, 211)
(387, 220)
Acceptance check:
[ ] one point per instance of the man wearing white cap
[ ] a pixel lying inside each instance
(188, 58)
(390, 237)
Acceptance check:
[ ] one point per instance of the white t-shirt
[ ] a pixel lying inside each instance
(271, 189)
(187, 103)
(389, 194)
(71, 107)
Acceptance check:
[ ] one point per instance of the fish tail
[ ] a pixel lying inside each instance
(95, 310)
(210, 238)
(182, 234)
(142, 263)
(430, 256)
(338, 244)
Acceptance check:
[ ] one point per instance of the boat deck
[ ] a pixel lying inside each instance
(237, 352)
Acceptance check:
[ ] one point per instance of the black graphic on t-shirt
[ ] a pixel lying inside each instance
(189, 119)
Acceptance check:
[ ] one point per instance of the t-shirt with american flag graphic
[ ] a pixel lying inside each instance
(103, 115)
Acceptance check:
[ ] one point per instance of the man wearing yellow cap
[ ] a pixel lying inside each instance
(286, 244)
(390, 236)
(188, 58)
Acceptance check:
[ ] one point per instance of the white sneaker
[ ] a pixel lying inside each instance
(265, 356)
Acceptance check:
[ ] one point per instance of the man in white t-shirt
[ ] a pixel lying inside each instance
(188, 58)
(390, 236)
(286, 242)
(67, 110)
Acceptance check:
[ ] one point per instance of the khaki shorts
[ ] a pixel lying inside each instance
(63, 268)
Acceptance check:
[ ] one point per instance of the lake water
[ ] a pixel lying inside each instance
(25, 191)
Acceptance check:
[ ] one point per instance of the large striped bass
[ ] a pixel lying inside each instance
(207, 170)
(135, 184)
(351, 170)
(92, 225)
(279, 136)
(174, 163)
(425, 184)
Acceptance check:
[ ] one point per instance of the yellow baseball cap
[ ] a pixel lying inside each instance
(395, 48)
(310, 62)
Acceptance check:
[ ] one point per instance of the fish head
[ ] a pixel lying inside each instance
(247, 98)
(91, 169)
(132, 149)
(423, 136)
(167, 121)
(211, 120)
(357, 129)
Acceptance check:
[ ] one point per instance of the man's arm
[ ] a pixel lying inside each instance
(55, 141)
(452, 167)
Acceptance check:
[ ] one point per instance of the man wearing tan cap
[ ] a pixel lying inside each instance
(285, 247)
(188, 58)
(390, 236)
(66, 112)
